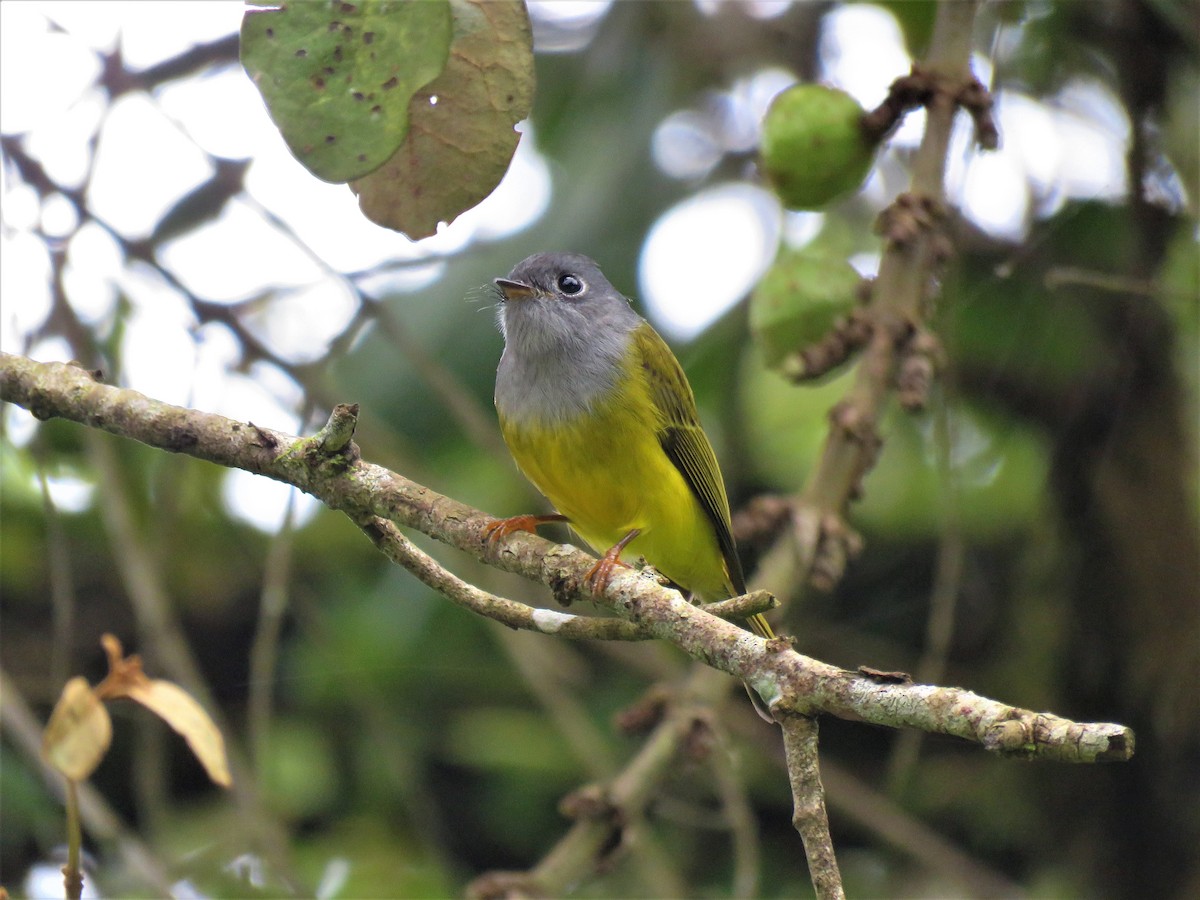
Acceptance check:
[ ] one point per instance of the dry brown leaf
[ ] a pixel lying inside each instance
(181, 711)
(79, 731)
(169, 702)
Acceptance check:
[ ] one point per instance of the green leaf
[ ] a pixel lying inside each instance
(337, 77)
(462, 138)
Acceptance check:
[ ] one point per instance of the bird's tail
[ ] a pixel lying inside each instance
(760, 626)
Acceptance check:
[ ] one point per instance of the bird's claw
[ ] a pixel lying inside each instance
(600, 574)
(499, 529)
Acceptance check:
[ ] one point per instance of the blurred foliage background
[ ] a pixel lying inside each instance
(1032, 537)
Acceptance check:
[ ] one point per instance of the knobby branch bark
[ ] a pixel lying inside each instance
(899, 355)
(788, 681)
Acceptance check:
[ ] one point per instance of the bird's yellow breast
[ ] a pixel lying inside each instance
(606, 471)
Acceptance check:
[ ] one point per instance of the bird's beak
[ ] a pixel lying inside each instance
(514, 290)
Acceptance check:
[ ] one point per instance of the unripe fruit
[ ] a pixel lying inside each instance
(813, 148)
(798, 301)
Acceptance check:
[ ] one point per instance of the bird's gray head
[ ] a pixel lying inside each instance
(566, 330)
(552, 302)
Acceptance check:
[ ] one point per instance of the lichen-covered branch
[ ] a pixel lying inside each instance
(387, 537)
(808, 804)
(790, 682)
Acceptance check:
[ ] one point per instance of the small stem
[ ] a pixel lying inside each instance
(808, 797)
(339, 430)
(1070, 276)
(72, 874)
(743, 606)
(264, 653)
(743, 828)
(943, 598)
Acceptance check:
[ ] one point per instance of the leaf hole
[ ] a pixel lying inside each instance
(368, 37)
(390, 83)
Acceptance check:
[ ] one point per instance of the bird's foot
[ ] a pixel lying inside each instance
(598, 576)
(499, 529)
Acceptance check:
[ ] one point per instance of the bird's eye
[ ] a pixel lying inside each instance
(570, 284)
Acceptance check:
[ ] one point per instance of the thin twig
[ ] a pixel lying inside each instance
(738, 813)
(857, 803)
(943, 598)
(743, 606)
(62, 584)
(540, 664)
(400, 550)
(604, 812)
(264, 653)
(1070, 276)
(458, 402)
(808, 799)
(72, 873)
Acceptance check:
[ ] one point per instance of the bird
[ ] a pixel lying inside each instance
(598, 414)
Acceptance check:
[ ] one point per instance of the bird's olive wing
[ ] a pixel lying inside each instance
(685, 443)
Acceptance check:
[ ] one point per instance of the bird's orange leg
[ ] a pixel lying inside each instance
(502, 528)
(599, 574)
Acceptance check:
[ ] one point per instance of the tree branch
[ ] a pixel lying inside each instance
(387, 537)
(808, 803)
(899, 354)
(790, 682)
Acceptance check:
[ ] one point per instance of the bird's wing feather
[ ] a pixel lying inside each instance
(685, 443)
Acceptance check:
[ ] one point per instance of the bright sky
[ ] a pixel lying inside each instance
(152, 151)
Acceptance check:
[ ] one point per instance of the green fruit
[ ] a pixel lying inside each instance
(798, 301)
(813, 148)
